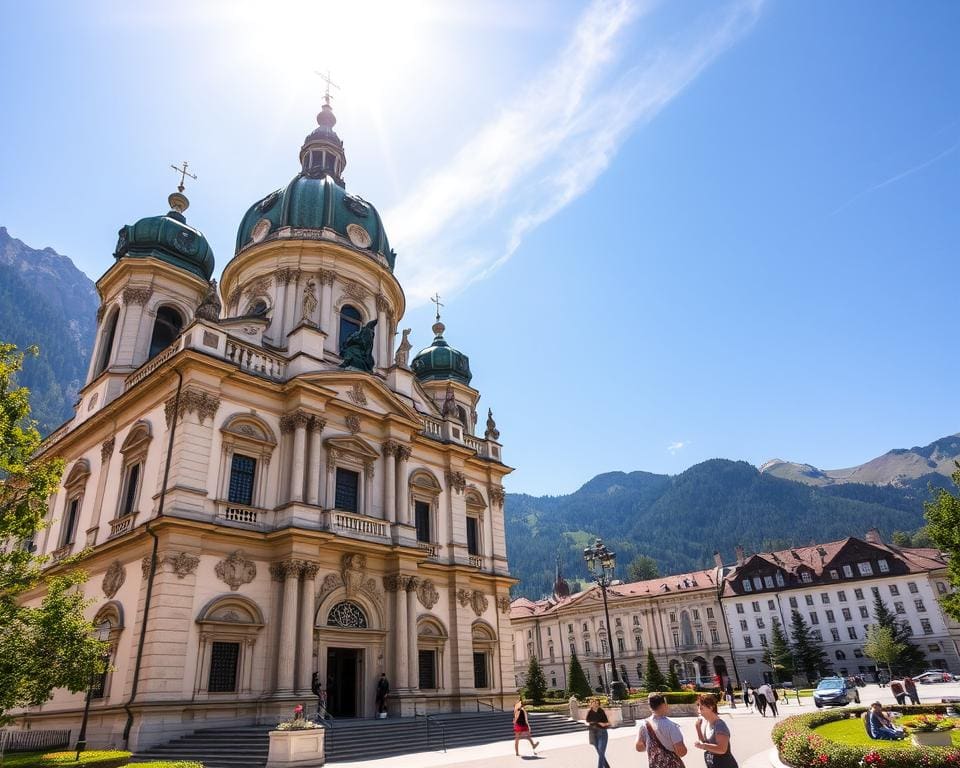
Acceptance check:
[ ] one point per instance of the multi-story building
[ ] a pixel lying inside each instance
(269, 490)
(677, 617)
(833, 586)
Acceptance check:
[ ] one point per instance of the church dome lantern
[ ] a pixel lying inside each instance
(440, 361)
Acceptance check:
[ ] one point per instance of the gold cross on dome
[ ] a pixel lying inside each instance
(436, 300)
(326, 78)
(183, 174)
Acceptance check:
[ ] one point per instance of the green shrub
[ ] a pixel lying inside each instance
(88, 759)
(170, 764)
(802, 747)
(680, 697)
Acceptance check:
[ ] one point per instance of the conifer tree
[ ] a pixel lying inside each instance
(910, 659)
(577, 684)
(673, 680)
(655, 681)
(535, 687)
(778, 656)
(808, 654)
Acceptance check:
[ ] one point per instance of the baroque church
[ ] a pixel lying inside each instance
(275, 496)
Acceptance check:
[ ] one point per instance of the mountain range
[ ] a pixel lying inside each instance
(678, 520)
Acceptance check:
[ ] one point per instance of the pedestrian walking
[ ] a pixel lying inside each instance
(730, 698)
(770, 697)
(713, 735)
(383, 688)
(598, 724)
(660, 737)
(761, 701)
(748, 697)
(521, 728)
(898, 691)
(911, 689)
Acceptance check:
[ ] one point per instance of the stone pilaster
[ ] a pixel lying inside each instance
(308, 599)
(390, 481)
(403, 495)
(288, 573)
(413, 668)
(313, 468)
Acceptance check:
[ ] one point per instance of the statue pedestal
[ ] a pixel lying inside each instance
(305, 348)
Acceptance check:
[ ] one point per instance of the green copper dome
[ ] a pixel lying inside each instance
(168, 238)
(440, 361)
(316, 200)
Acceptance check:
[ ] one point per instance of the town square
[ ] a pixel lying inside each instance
(465, 396)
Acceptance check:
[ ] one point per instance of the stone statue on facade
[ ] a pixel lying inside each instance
(309, 303)
(403, 350)
(357, 350)
(492, 432)
(210, 307)
(449, 407)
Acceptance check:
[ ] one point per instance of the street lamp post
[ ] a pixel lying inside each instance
(601, 563)
(102, 633)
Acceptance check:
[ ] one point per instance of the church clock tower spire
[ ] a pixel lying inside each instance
(322, 151)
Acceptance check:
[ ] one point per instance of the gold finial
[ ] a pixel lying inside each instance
(326, 78)
(436, 300)
(183, 175)
(438, 327)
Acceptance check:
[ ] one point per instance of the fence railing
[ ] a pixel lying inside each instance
(359, 524)
(32, 741)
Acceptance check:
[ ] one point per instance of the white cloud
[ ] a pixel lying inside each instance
(677, 446)
(538, 155)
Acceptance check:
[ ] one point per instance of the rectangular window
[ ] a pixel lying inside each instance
(620, 645)
(830, 617)
(808, 599)
(714, 635)
(747, 586)
(676, 639)
(941, 588)
(70, 522)
(709, 615)
(793, 602)
(223, 667)
(912, 586)
(834, 574)
(852, 632)
(858, 593)
(848, 571)
(473, 536)
(814, 619)
(925, 625)
(131, 491)
(696, 615)
(427, 661)
(898, 607)
(763, 640)
(421, 511)
(739, 607)
(806, 578)
(757, 583)
(768, 582)
(842, 596)
(771, 605)
(748, 642)
(242, 470)
(756, 606)
(875, 591)
(347, 490)
(894, 590)
(760, 624)
(618, 622)
(846, 614)
(825, 598)
(835, 634)
(570, 628)
(480, 679)
(865, 569)
(883, 565)
(743, 625)
(673, 617)
(586, 647)
(699, 637)
(816, 635)
(918, 603)
(864, 613)
(779, 577)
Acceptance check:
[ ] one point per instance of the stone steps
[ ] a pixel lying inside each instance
(350, 740)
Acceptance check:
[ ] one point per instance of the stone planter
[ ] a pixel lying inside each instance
(614, 715)
(934, 739)
(296, 749)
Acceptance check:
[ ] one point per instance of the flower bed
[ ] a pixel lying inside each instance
(801, 746)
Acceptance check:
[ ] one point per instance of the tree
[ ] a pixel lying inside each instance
(49, 645)
(536, 684)
(641, 568)
(901, 539)
(778, 656)
(808, 654)
(882, 647)
(655, 681)
(943, 528)
(577, 684)
(910, 659)
(673, 680)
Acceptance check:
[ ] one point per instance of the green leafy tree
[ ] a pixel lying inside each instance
(943, 527)
(535, 687)
(655, 681)
(673, 680)
(901, 539)
(577, 684)
(910, 659)
(882, 647)
(808, 654)
(49, 645)
(641, 568)
(777, 656)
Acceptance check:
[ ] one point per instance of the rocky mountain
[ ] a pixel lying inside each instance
(901, 467)
(45, 300)
(681, 520)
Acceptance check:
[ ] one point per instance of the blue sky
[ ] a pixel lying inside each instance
(664, 232)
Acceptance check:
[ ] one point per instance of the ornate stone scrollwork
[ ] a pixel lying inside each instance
(427, 594)
(113, 579)
(192, 400)
(356, 394)
(354, 290)
(106, 449)
(497, 494)
(404, 452)
(134, 295)
(183, 563)
(291, 421)
(145, 566)
(390, 448)
(353, 578)
(286, 275)
(457, 481)
(234, 298)
(236, 570)
(503, 603)
(317, 424)
(258, 286)
(475, 599)
(353, 423)
(383, 303)
(327, 276)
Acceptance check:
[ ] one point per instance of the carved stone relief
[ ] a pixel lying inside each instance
(106, 449)
(133, 295)
(257, 287)
(192, 400)
(353, 423)
(457, 481)
(356, 394)
(475, 599)
(503, 603)
(353, 578)
(427, 594)
(497, 494)
(352, 289)
(113, 579)
(236, 570)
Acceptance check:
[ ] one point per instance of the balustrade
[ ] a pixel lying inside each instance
(359, 524)
(121, 525)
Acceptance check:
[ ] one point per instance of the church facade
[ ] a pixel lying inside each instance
(272, 495)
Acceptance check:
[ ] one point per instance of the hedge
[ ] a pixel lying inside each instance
(88, 759)
(802, 747)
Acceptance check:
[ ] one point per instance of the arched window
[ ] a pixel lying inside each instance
(347, 615)
(106, 342)
(350, 322)
(166, 328)
(258, 307)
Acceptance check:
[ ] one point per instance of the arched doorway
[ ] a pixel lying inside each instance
(720, 669)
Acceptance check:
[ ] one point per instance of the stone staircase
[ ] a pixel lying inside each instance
(352, 740)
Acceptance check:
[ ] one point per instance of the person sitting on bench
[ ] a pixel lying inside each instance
(879, 726)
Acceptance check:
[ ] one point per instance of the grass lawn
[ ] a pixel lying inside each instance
(852, 732)
(92, 759)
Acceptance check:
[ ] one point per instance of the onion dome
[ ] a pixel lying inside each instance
(168, 238)
(316, 199)
(440, 361)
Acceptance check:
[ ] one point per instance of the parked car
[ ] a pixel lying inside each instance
(934, 676)
(835, 692)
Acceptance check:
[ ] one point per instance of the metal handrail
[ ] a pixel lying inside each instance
(443, 734)
(487, 704)
(322, 717)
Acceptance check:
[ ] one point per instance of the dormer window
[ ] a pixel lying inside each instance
(883, 565)
(747, 586)
(779, 579)
(805, 577)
